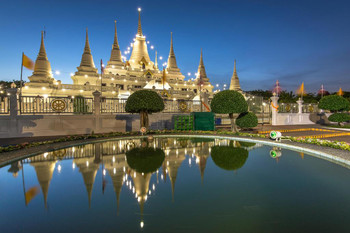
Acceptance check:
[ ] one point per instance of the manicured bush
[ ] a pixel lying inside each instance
(80, 105)
(229, 102)
(228, 157)
(334, 103)
(247, 120)
(339, 117)
(144, 102)
(145, 159)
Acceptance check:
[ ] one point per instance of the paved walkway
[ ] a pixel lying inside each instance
(344, 138)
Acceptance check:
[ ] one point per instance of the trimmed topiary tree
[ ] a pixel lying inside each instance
(144, 102)
(247, 120)
(145, 159)
(339, 117)
(334, 103)
(228, 157)
(229, 102)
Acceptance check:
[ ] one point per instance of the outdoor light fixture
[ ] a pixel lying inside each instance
(276, 135)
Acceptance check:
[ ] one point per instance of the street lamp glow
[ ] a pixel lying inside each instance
(57, 72)
(139, 9)
(152, 47)
(160, 58)
(189, 74)
(217, 85)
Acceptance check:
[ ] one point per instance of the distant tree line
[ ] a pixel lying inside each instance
(290, 97)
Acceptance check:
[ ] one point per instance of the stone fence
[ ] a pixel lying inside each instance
(28, 125)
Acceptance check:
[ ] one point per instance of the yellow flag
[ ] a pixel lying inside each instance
(27, 62)
(301, 90)
(340, 92)
(164, 77)
(31, 193)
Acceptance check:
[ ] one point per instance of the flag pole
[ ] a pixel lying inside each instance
(101, 76)
(20, 86)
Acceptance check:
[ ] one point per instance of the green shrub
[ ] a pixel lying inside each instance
(247, 120)
(339, 117)
(144, 102)
(80, 105)
(228, 157)
(145, 160)
(229, 102)
(334, 103)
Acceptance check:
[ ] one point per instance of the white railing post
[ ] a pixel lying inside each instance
(300, 105)
(274, 105)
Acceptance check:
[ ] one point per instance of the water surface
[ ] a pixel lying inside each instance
(180, 185)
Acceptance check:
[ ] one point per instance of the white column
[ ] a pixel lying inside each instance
(300, 105)
(274, 103)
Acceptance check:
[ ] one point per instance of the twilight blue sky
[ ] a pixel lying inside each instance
(292, 41)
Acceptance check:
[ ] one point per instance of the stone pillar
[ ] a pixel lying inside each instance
(97, 111)
(13, 102)
(274, 104)
(97, 102)
(13, 112)
(300, 105)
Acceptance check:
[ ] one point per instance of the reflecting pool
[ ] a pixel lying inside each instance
(174, 185)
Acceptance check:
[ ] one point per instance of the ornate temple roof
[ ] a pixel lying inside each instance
(234, 85)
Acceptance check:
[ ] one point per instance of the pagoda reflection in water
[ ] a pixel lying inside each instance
(110, 157)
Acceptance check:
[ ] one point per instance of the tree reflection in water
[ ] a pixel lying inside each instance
(229, 157)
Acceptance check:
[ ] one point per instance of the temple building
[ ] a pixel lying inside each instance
(120, 77)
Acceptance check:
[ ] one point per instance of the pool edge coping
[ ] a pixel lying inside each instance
(345, 162)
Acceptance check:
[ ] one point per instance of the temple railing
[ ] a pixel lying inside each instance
(49, 105)
(294, 108)
(4, 105)
(116, 105)
(112, 105)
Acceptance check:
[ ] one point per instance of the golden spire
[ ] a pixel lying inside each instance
(156, 61)
(42, 52)
(201, 69)
(139, 28)
(42, 68)
(116, 55)
(234, 85)
(139, 58)
(86, 59)
(172, 59)
(115, 43)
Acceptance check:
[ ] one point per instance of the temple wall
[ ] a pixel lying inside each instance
(51, 125)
